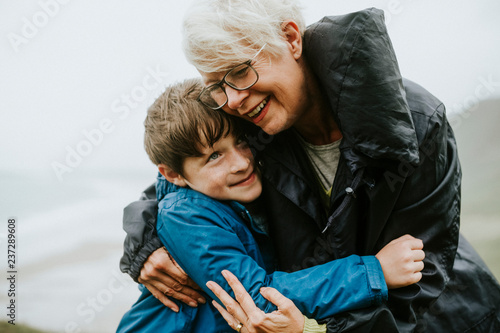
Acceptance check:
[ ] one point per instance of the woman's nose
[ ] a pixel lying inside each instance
(235, 98)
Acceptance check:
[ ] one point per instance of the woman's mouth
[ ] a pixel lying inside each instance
(258, 110)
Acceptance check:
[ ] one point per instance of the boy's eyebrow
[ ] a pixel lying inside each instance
(205, 151)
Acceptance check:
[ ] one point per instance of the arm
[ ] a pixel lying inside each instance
(139, 222)
(204, 242)
(288, 317)
(145, 260)
(428, 207)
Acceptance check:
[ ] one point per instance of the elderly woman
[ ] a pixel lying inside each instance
(358, 156)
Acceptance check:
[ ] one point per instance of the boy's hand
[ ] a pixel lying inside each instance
(401, 261)
(164, 277)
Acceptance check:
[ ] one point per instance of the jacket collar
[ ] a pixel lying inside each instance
(353, 58)
(163, 187)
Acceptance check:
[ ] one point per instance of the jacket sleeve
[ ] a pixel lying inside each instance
(427, 207)
(139, 222)
(204, 243)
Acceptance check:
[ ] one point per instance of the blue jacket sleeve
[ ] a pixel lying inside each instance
(206, 237)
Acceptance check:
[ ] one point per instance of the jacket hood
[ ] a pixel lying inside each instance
(353, 58)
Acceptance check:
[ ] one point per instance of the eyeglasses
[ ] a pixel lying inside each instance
(240, 77)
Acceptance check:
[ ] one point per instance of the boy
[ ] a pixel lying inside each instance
(208, 174)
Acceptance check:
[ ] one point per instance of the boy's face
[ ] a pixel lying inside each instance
(225, 171)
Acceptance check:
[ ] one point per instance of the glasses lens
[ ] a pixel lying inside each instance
(242, 76)
(214, 96)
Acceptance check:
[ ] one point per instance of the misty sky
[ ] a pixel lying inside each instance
(68, 68)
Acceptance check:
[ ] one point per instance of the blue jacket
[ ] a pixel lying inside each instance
(206, 236)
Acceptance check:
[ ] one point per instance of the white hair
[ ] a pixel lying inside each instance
(217, 34)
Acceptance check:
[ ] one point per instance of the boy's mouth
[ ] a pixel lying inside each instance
(258, 110)
(246, 181)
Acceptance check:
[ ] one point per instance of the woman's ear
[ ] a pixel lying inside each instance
(171, 175)
(292, 35)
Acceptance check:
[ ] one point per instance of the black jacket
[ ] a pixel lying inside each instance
(398, 173)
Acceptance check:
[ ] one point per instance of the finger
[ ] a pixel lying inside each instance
(241, 294)
(231, 321)
(231, 305)
(275, 297)
(170, 287)
(184, 278)
(418, 255)
(162, 298)
(416, 244)
(181, 297)
(163, 261)
(404, 238)
(419, 266)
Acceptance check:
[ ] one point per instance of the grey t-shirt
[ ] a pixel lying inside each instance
(324, 159)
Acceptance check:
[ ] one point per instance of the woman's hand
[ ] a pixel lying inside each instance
(243, 310)
(164, 277)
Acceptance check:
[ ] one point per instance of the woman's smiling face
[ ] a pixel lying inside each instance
(279, 98)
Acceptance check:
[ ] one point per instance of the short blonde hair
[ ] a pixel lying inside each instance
(177, 125)
(218, 34)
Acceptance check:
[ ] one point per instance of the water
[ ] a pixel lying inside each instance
(69, 243)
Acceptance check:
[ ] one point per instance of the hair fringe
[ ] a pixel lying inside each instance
(220, 33)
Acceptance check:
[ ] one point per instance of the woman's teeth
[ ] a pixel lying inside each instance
(257, 110)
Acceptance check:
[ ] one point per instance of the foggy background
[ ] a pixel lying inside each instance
(76, 78)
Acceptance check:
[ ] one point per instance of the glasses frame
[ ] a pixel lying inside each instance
(221, 83)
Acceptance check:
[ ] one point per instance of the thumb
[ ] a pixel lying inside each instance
(275, 297)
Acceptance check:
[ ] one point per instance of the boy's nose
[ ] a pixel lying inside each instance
(240, 162)
(235, 97)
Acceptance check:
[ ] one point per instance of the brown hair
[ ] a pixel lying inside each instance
(177, 124)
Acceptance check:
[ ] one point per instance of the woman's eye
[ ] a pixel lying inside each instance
(241, 72)
(214, 156)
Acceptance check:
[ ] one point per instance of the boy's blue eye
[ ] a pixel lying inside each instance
(214, 156)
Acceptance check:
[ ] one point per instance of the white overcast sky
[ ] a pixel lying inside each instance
(67, 68)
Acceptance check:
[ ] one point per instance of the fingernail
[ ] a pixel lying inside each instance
(193, 304)
(201, 300)
(224, 273)
(174, 309)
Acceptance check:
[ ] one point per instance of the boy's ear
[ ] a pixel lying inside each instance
(171, 175)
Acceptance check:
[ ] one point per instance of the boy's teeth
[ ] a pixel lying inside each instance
(257, 109)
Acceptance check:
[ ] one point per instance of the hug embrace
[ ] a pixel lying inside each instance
(291, 176)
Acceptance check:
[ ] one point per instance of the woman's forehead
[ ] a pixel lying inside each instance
(211, 78)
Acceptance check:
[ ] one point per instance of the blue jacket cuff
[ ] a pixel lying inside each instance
(376, 279)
